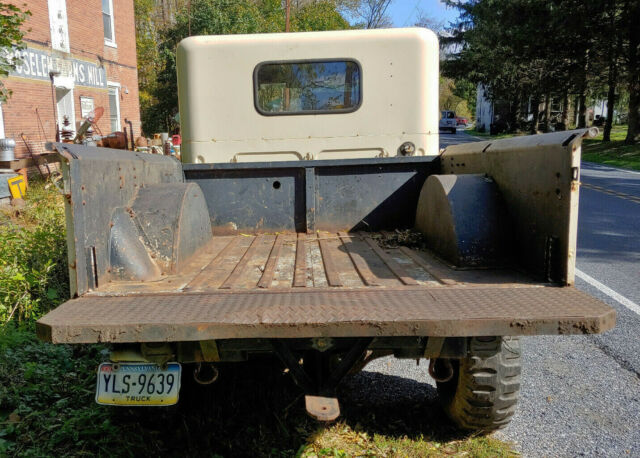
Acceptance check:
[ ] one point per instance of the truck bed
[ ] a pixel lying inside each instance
(322, 284)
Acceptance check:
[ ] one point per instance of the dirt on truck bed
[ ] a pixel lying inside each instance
(318, 260)
(306, 285)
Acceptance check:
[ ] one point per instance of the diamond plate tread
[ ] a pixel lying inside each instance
(406, 311)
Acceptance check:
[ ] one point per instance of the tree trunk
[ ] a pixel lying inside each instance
(611, 101)
(614, 52)
(633, 132)
(576, 109)
(582, 112)
(547, 113)
(565, 110)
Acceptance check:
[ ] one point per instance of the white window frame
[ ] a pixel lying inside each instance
(1, 122)
(116, 86)
(51, 5)
(110, 42)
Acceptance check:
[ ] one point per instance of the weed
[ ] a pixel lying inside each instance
(33, 255)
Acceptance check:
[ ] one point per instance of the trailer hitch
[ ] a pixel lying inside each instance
(320, 401)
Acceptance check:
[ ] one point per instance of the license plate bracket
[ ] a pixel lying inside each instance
(138, 384)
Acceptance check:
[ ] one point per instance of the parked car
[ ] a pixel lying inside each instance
(462, 121)
(448, 121)
(599, 121)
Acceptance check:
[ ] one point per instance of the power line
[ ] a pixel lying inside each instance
(413, 11)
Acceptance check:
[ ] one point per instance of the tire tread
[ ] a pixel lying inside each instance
(483, 393)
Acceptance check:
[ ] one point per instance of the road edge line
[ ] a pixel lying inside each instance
(608, 291)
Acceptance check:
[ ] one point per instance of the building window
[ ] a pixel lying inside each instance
(114, 106)
(307, 87)
(107, 22)
(58, 25)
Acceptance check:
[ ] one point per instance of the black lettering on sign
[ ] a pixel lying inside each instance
(113, 385)
(107, 378)
(125, 381)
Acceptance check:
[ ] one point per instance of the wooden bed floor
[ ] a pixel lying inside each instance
(319, 260)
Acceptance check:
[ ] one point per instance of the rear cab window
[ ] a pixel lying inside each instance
(307, 87)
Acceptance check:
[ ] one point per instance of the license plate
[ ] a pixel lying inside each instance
(138, 384)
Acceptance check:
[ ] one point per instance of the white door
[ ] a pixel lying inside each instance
(64, 101)
(58, 25)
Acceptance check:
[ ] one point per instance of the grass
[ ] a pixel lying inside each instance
(614, 153)
(486, 135)
(47, 408)
(47, 392)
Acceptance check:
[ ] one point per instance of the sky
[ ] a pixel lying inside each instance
(405, 13)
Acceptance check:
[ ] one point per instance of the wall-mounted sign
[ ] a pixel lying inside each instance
(36, 64)
(86, 106)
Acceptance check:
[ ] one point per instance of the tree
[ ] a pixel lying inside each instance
(11, 35)
(528, 55)
(223, 17)
(369, 14)
(614, 45)
(317, 15)
(632, 58)
(429, 22)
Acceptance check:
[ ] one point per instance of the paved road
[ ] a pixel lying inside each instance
(581, 394)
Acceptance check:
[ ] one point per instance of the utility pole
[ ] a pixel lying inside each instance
(189, 15)
(287, 15)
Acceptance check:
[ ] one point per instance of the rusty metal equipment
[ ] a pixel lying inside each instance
(114, 140)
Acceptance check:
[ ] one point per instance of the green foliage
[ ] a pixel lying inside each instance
(159, 94)
(11, 34)
(319, 15)
(530, 56)
(454, 98)
(33, 256)
(46, 399)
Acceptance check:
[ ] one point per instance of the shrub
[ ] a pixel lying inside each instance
(33, 255)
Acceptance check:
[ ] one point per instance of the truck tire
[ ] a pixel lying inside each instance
(454, 131)
(483, 392)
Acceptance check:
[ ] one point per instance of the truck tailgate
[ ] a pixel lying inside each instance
(326, 284)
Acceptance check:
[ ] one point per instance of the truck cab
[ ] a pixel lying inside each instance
(309, 96)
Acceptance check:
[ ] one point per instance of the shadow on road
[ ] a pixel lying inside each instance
(255, 410)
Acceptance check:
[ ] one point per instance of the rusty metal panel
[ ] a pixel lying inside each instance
(303, 196)
(538, 177)
(97, 181)
(464, 220)
(407, 311)
(245, 199)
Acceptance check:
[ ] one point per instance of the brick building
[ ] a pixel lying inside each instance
(80, 54)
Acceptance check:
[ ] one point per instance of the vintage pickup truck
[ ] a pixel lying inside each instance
(315, 221)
